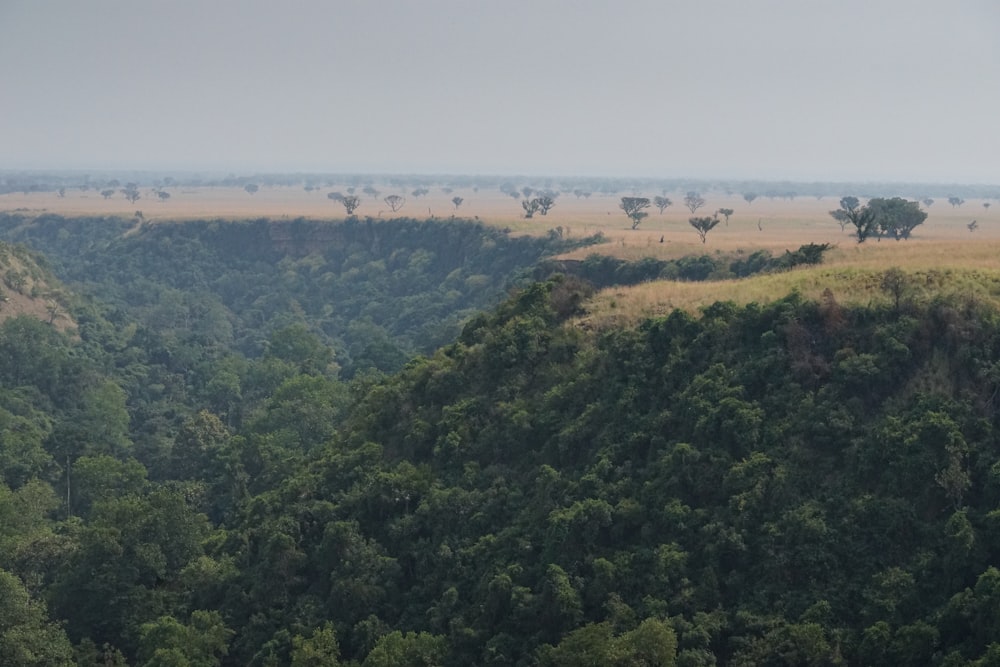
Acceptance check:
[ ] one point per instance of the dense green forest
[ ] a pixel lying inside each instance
(201, 473)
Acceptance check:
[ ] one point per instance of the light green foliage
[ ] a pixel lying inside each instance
(319, 650)
(410, 649)
(27, 637)
(202, 642)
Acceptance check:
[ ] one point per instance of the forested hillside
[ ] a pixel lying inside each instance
(795, 483)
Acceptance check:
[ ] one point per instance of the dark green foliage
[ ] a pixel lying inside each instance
(189, 481)
(604, 271)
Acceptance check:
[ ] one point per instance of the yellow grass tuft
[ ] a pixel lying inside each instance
(854, 274)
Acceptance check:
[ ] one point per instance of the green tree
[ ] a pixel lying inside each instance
(693, 201)
(411, 649)
(703, 225)
(661, 203)
(896, 217)
(27, 637)
(202, 642)
(863, 219)
(318, 650)
(633, 207)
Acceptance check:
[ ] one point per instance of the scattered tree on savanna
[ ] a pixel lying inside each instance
(370, 191)
(896, 217)
(351, 203)
(163, 195)
(986, 205)
(420, 192)
(335, 196)
(395, 202)
(447, 190)
(927, 201)
(749, 197)
(545, 202)
(107, 194)
(955, 201)
(131, 192)
(725, 212)
(457, 201)
(662, 203)
(693, 201)
(633, 207)
(851, 211)
(527, 191)
(530, 207)
(581, 193)
(251, 188)
(973, 226)
(703, 225)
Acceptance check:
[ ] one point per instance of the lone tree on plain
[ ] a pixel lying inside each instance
(955, 201)
(251, 188)
(351, 203)
(545, 203)
(693, 201)
(107, 194)
(163, 195)
(927, 201)
(725, 212)
(457, 201)
(530, 207)
(335, 196)
(748, 197)
(131, 192)
(420, 192)
(986, 205)
(863, 218)
(662, 203)
(703, 225)
(633, 207)
(896, 217)
(395, 202)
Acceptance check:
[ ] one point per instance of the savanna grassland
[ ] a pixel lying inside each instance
(943, 250)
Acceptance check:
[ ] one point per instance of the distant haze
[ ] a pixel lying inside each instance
(903, 90)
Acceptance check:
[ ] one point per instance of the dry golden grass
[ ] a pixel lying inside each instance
(959, 270)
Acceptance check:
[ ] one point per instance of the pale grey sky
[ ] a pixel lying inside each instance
(799, 89)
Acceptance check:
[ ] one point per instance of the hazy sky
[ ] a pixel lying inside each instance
(799, 89)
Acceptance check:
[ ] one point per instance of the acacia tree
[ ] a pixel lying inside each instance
(457, 201)
(545, 202)
(662, 203)
(927, 201)
(633, 207)
(955, 201)
(896, 217)
(107, 194)
(749, 197)
(351, 203)
(251, 188)
(851, 211)
(395, 202)
(131, 192)
(704, 225)
(693, 201)
(530, 207)
(725, 212)
(986, 206)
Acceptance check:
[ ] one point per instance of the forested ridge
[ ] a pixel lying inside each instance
(796, 483)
